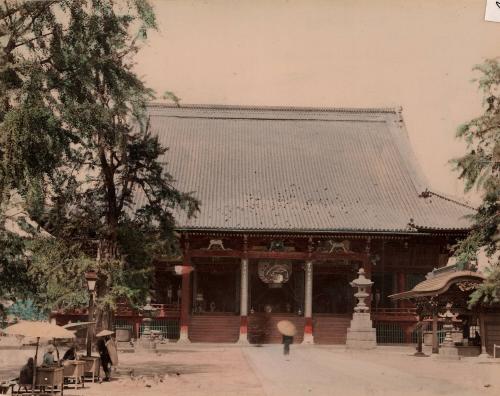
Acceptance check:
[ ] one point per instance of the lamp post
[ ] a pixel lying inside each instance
(91, 278)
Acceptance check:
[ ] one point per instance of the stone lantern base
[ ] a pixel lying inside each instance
(361, 334)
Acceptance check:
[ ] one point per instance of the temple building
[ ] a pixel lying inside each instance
(293, 202)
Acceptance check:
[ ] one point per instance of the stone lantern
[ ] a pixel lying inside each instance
(148, 312)
(362, 284)
(361, 334)
(448, 350)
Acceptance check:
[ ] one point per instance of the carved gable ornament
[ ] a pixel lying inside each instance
(333, 246)
(274, 272)
(467, 285)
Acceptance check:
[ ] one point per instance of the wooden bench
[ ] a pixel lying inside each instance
(92, 369)
(74, 372)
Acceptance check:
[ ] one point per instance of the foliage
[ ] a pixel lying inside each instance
(80, 113)
(480, 167)
(14, 281)
(488, 292)
(26, 310)
(56, 271)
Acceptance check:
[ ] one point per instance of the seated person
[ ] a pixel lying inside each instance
(477, 339)
(70, 353)
(26, 374)
(48, 358)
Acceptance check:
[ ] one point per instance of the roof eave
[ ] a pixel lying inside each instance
(299, 231)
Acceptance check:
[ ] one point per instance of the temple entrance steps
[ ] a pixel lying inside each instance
(262, 328)
(214, 328)
(330, 328)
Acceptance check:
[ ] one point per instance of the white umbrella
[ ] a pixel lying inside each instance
(77, 325)
(39, 330)
(286, 328)
(104, 333)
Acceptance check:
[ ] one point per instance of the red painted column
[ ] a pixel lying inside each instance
(185, 299)
(401, 287)
(243, 338)
(308, 327)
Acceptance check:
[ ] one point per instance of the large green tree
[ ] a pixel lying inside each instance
(105, 155)
(479, 167)
(32, 140)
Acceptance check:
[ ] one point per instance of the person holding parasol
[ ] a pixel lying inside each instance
(288, 331)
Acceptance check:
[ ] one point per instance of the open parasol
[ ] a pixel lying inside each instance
(39, 330)
(104, 333)
(286, 328)
(77, 325)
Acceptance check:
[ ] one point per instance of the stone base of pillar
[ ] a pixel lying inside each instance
(448, 353)
(483, 356)
(361, 334)
(308, 339)
(243, 340)
(146, 344)
(184, 339)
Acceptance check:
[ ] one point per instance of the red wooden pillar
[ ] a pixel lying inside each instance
(367, 266)
(408, 329)
(401, 278)
(308, 296)
(308, 328)
(185, 298)
(243, 338)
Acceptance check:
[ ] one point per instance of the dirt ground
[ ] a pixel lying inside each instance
(311, 370)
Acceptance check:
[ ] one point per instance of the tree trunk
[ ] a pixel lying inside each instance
(107, 252)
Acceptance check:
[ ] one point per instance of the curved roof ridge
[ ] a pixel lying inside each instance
(427, 192)
(192, 106)
(438, 285)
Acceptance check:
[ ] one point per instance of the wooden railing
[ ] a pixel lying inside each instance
(123, 309)
(395, 311)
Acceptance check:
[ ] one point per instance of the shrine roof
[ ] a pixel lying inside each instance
(439, 284)
(299, 170)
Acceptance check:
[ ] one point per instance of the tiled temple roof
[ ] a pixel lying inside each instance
(299, 169)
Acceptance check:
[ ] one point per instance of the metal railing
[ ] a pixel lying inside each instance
(168, 328)
(390, 333)
(162, 310)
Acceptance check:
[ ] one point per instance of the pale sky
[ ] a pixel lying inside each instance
(339, 53)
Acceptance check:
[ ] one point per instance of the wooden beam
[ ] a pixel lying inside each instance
(253, 254)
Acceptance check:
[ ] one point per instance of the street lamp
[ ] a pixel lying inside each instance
(91, 278)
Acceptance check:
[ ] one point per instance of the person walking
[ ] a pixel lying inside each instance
(105, 359)
(287, 330)
(107, 351)
(287, 341)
